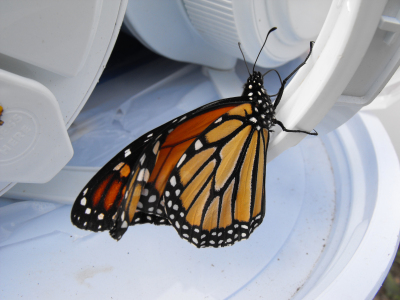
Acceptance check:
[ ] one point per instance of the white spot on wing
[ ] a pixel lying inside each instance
(127, 152)
(175, 207)
(143, 175)
(181, 160)
(100, 216)
(83, 201)
(198, 145)
(177, 224)
(119, 166)
(88, 211)
(155, 148)
(124, 224)
(140, 175)
(219, 120)
(85, 191)
(152, 198)
(173, 181)
(142, 159)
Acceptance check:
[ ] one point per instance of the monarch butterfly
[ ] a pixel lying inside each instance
(203, 172)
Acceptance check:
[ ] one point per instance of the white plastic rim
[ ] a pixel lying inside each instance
(337, 54)
(367, 246)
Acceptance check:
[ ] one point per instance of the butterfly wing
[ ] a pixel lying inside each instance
(99, 200)
(215, 194)
(126, 191)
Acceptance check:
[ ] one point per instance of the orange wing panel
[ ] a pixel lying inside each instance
(170, 162)
(100, 190)
(193, 127)
(177, 143)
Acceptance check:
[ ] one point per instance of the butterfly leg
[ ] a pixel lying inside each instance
(289, 130)
(280, 93)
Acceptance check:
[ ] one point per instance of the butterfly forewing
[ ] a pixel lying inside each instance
(215, 194)
(126, 191)
(101, 197)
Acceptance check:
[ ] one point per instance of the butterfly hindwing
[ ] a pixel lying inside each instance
(134, 197)
(215, 194)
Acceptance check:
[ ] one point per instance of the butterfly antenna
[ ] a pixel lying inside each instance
(272, 29)
(244, 59)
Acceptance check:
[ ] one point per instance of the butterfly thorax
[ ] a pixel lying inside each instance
(254, 90)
